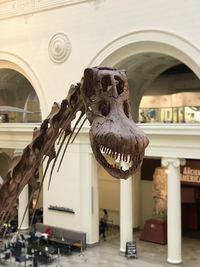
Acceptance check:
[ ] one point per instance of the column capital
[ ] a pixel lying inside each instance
(176, 162)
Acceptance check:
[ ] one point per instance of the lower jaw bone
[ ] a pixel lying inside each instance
(118, 163)
(125, 166)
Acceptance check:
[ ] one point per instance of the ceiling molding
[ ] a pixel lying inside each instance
(13, 8)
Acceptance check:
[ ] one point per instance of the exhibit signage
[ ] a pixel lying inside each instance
(131, 250)
(191, 175)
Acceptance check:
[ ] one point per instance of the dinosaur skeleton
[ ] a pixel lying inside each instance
(102, 97)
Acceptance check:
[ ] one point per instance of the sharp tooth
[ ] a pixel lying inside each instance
(126, 158)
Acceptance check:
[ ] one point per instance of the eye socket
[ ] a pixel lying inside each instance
(88, 83)
(106, 83)
(73, 100)
(126, 108)
(119, 85)
(104, 108)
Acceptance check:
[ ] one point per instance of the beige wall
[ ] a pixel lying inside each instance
(99, 31)
(91, 27)
(109, 198)
(109, 190)
(64, 192)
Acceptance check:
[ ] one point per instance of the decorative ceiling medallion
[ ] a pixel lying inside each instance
(59, 48)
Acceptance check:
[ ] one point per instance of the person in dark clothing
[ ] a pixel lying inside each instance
(102, 229)
(105, 218)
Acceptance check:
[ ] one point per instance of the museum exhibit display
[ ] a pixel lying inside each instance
(102, 97)
(155, 229)
(173, 108)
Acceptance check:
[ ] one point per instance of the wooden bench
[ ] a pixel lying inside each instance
(76, 238)
(78, 245)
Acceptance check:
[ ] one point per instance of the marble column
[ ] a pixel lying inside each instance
(174, 211)
(89, 197)
(126, 211)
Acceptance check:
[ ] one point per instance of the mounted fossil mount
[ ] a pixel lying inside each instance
(103, 97)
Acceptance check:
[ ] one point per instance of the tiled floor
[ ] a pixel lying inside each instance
(149, 254)
(106, 254)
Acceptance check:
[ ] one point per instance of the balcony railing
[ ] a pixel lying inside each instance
(166, 140)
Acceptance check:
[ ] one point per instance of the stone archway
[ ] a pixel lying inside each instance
(145, 55)
(13, 62)
(19, 102)
(149, 41)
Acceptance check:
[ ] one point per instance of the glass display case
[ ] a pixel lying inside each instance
(170, 115)
(175, 108)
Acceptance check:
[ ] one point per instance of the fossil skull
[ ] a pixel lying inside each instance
(113, 133)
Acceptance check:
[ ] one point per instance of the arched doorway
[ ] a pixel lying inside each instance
(146, 55)
(19, 105)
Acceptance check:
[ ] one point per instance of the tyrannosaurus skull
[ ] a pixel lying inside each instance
(113, 133)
